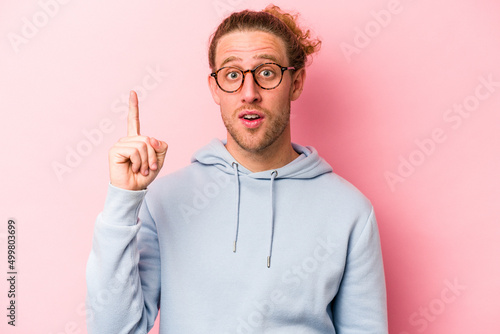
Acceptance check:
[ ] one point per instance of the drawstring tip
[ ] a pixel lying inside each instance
(234, 247)
(268, 261)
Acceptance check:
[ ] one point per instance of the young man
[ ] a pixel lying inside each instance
(257, 235)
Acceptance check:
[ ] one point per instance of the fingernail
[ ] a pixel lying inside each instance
(154, 142)
(154, 166)
(146, 172)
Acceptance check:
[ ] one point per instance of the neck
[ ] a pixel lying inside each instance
(278, 154)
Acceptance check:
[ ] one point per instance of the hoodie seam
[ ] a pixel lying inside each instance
(367, 223)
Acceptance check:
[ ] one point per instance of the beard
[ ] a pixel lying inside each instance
(252, 140)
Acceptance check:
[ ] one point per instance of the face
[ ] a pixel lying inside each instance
(255, 118)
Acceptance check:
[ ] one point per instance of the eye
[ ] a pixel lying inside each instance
(267, 73)
(233, 75)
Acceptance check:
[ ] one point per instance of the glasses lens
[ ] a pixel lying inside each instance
(268, 75)
(229, 78)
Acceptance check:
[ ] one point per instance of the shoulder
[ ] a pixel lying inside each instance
(350, 210)
(186, 181)
(186, 175)
(338, 190)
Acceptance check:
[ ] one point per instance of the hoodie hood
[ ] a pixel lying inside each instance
(308, 165)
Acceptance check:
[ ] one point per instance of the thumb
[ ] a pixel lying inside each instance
(160, 148)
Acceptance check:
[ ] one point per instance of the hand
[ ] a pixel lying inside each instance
(135, 160)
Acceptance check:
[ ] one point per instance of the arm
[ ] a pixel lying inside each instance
(360, 305)
(123, 280)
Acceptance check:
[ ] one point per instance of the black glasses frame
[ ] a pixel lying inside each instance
(283, 69)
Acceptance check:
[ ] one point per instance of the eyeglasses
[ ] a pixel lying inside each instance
(266, 76)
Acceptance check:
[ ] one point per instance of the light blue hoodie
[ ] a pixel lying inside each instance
(223, 250)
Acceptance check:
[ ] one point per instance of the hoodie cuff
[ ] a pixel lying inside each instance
(122, 206)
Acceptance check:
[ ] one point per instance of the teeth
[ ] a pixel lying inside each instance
(251, 117)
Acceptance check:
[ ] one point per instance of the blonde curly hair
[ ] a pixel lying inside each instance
(272, 19)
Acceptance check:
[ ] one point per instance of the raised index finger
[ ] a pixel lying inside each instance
(133, 115)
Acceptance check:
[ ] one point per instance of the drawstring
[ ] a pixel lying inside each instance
(274, 174)
(235, 167)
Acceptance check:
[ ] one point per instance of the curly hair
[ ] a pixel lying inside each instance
(299, 44)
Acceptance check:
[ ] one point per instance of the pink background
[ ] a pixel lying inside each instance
(386, 106)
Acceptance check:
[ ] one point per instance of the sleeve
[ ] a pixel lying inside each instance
(361, 304)
(123, 269)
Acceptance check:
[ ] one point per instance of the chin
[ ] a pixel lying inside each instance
(255, 140)
(252, 144)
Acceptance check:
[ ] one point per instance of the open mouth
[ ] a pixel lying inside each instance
(251, 114)
(251, 118)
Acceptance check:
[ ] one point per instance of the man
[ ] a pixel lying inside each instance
(257, 235)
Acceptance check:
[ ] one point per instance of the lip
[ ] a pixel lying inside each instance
(251, 124)
(250, 112)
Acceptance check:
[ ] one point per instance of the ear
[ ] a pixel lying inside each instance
(297, 86)
(214, 89)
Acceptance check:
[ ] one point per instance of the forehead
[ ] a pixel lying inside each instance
(246, 46)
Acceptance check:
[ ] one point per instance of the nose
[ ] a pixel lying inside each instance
(250, 90)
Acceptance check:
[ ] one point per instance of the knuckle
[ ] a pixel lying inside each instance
(135, 153)
(143, 146)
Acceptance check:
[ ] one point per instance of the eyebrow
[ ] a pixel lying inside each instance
(229, 59)
(266, 56)
(262, 56)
